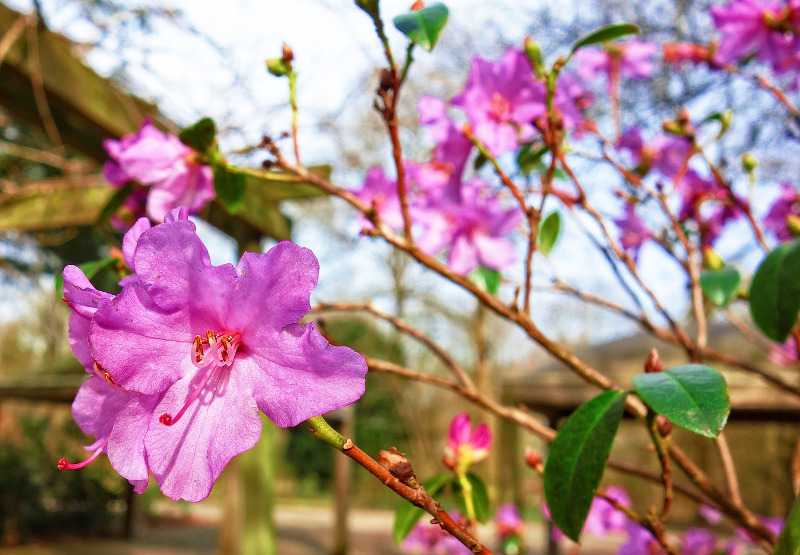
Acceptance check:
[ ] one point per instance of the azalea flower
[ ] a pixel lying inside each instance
(787, 204)
(429, 539)
(199, 349)
(501, 100)
(162, 161)
(465, 445)
(668, 154)
(508, 521)
(631, 60)
(633, 232)
(770, 30)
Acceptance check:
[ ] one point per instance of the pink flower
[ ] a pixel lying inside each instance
(465, 445)
(198, 350)
(429, 539)
(631, 60)
(633, 232)
(508, 521)
(571, 99)
(668, 154)
(710, 514)
(788, 203)
(699, 541)
(767, 29)
(475, 229)
(380, 191)
(501, 100)
(163, 162)
(784, 354)
(640, 541)
(604, 518)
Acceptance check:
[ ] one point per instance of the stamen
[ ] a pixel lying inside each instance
(102, 373)
(168, 420)
(63, 464)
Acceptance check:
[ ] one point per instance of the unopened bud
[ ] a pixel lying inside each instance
(725, 121)
(288, 54)
(533, 458)
(279, 67)
(398, 466)
(793, 224)
(385, 82)
(749, 162)
(534, 53)
(664, 425)
(417, 6)
(369, 6)
(712, 260)
(653, 364)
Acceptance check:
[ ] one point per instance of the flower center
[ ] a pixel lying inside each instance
(499, 108)
(213, 351)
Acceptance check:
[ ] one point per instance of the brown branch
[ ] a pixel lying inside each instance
(13, 34)
(729, 470)
(399, 324)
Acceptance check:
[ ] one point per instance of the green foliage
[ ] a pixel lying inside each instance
(230, 188)
(693, 396)
(775, 292)
(487, 279)
(720, 286)
(480, 498)
(577, 459)
(37, 500)
(408, 515)
(789, 540)
(549, 231)
(605, 34)
(424, 26)
(529, 159)
(200, 135)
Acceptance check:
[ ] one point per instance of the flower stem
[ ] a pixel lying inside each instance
(325, 432)
(466, 492)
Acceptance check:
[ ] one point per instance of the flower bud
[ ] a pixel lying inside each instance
(288, 53)
(664, 425)
(533, 458)
(534, 53)
(793, 224)
(712, 260)
(398, 466)
(749, 162)
(653, 364)
(417, 6)
(279, 67)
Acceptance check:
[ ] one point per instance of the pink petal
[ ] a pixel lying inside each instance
(126, 445)
(459, 433)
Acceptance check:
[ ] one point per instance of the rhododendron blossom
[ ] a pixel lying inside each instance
(501, 100)
(162, 161)
(199, 349)
(465, 445)
(630, 60)
(787, 204)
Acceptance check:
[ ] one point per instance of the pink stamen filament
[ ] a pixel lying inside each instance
(221, 352)
(63, 464)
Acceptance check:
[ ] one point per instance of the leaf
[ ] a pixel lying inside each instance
(230, 188)
(423, 27)
(115, 203)
(529, 159)
(577, 459)
(720, 286)
(693, 396)
(90, 269)
(789, 540)
(199, 135)
(480, 498)
(775, 292)
(486, 279)
(605, 34)
(549, 231)
(408, 515)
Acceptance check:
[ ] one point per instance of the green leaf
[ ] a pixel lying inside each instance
(529, 159)
(693, 396)
(480, 498)
(408, 515)
(200, 135)
(230, 188)
(775, 292)
(486, 279)
(789, 540)
(115, 203)
(605, 34)
(549, 231)
(91, 269)
(577, 459)
(423, 27)
(720, 286)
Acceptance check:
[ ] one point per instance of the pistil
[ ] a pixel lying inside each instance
(63, 464)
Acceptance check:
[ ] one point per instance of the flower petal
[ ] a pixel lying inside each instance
(187, 457)
(126, 444)
(298, 374)
(96, 407)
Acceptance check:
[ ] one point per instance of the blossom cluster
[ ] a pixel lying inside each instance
(504, 108)
(186, 354)
(173, 171)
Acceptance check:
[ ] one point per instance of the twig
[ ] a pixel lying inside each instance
(729, 470)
